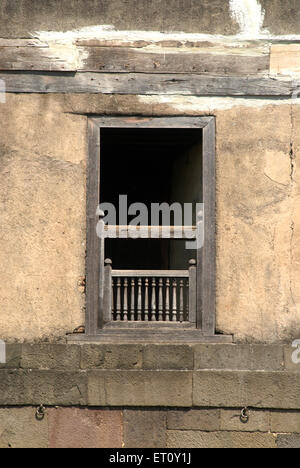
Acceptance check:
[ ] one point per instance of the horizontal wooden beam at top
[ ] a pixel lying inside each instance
(126, 60)
(145, 84)
(120, 60)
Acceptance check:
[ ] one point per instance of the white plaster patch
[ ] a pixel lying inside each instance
(249, 14)
(63, 45)
(209, 105)
(109, 33)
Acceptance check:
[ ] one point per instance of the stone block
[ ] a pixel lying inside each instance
(239, 357)
(144, 428)
(285, 421)
(111, 356)
(291, 441)
(19, 428)
(84, 428)
(13, 356)
(218, 389)
(226, 439)
(259, 421)
(194, 419)
(246, 388)
(168, 357)
(139, 388)
(50, 356)
(42, 387)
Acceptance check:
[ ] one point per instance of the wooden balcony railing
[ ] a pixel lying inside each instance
(150, 295)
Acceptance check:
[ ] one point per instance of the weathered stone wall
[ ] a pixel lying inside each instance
(140, 396)
(148, 428)
(43, 166)
(21, 18)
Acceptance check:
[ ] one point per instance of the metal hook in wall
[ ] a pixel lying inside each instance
(245, 415)
(40, 413)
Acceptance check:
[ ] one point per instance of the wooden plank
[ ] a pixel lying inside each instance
(146, 84)
(36, 59)
(120, 60)
(206, 256)
(93, 242)
(167, 335)
(150, 273)
(33, 55)
(151, 122)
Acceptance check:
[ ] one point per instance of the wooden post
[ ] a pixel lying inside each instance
(118, 305)
(108, 291)
(160, 300)
(181, 301)
(139, 303)
(132, 302)
(153, 300)
(146, 299)
(100, 232)
(206, 262)
(192, 290)
(174, 302)
(167, 300)
(125, 300)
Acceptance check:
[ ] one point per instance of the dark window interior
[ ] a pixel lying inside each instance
(150, 166)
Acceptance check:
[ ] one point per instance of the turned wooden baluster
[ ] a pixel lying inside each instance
(118, 307)
(108, 290)
(160, 300)
(181, 305)
(139, 303)
(167, 300)
(187, 310)
(146, 307)
(125, 302)
(153, 300)
(174, 305)
(132, 302)
(113, 299)
(192, 291)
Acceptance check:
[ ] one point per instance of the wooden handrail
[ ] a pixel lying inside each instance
(150, 273)
(153, 232)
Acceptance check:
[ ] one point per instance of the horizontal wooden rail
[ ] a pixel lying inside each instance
(153, 232)
(150, 273)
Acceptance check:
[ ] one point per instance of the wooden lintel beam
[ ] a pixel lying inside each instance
(145, 84)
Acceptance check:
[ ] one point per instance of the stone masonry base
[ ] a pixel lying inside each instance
(157, 396)
(148, 427)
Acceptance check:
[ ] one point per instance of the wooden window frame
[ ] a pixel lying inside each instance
(206, 256)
